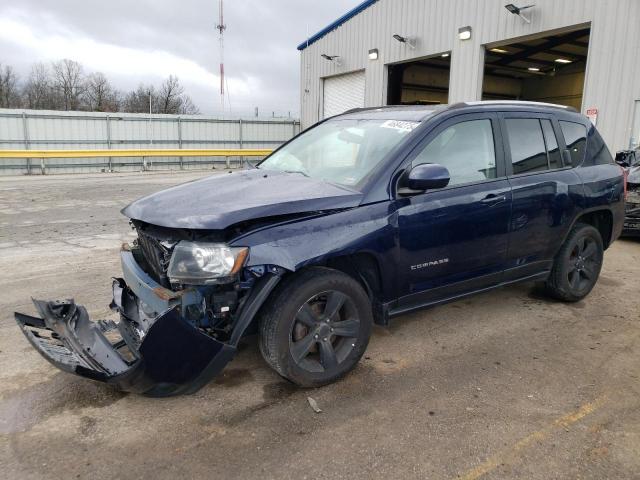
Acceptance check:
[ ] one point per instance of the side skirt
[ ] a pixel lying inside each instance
(393, 310)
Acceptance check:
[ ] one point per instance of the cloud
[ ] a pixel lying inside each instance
(147, 40)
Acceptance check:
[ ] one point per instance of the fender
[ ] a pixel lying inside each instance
(367, 229)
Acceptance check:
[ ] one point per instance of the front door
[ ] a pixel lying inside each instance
(454, 240)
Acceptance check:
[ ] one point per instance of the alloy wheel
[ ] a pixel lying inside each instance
(324, 331)
(583, 264)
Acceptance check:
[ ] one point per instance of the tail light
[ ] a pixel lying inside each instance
(625, 174)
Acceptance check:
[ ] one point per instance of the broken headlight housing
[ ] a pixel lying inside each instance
(202, 263)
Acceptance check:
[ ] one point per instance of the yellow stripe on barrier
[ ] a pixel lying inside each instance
(134, 153)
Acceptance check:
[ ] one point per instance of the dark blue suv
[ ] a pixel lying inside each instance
(363, 217)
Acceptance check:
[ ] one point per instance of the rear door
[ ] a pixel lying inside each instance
(546, 192)
(454, 240)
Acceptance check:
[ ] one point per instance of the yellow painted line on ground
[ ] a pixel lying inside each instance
(510, 455)
(249, 152)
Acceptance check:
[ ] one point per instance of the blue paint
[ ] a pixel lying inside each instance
(329, 28)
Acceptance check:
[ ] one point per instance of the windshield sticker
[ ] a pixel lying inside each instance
(400, 125)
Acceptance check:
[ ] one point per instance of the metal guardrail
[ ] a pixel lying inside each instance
(139, 153)
(156, 152)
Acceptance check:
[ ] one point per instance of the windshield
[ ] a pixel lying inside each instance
(342, 151)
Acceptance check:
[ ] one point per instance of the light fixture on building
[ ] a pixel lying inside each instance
(445, 55)
(562, 60)
(373, 54)
(533, 69)
(406, 40)
(464, 33)
(498, 50)
(518, 11)
(332, 58)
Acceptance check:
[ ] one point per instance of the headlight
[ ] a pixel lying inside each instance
(198, 263)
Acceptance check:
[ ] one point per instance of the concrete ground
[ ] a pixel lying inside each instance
(506, 384)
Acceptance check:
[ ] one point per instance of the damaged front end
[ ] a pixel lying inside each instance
(632, 209)
(170, 339)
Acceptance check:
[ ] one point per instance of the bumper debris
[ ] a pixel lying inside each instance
(173, 357)
(155, 349)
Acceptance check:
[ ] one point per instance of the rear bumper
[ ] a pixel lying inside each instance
(153, 349)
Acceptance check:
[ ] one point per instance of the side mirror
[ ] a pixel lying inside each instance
(426, 176)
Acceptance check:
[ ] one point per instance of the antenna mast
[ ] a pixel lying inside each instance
(221, 27)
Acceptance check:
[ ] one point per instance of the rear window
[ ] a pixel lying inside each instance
(597, 149)
(575, 137)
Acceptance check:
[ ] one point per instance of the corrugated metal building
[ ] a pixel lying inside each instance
(582, 53)
(43, 130)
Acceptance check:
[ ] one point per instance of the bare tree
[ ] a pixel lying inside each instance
(172, 98)
(9, 95)
(187, 107)
(63, 86)
(170, 95)
(141, 100)
(99, 95)
(69, 82)
(38, 91)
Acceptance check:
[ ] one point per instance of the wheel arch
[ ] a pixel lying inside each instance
(601, 219)
(363, 267)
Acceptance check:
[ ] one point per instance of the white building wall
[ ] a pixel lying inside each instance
(613, 69)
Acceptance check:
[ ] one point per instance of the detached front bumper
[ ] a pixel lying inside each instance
(631, 226)
(632, 212)
(153, 349)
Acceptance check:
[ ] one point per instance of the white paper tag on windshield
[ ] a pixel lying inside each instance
(400, 125)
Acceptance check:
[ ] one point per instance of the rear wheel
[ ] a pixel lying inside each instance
(316, 327)
(577, 265)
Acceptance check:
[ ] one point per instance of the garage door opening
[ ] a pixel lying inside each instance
(548, 69)
(421, 82)
(342, 93)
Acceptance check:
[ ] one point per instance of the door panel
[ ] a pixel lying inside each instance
(545, 198)
(455, 237)
(544, 206)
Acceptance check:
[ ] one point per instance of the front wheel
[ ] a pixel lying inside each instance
(577, 265)
(316, 326)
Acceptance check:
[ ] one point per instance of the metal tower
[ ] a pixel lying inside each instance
(221, 27)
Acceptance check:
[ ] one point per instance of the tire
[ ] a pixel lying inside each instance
(577, 265)
(316, 326)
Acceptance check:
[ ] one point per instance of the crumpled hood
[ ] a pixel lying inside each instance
(218, 201)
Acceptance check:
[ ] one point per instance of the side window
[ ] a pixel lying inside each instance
(553, 150)
(466, 149)
(598, 149)
(528, 151)
(575, 136)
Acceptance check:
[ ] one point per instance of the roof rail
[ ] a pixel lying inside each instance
(521, 102)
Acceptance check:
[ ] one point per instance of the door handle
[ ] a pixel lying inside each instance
(493, 199)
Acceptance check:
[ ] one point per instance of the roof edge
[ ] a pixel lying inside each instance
(344, 18)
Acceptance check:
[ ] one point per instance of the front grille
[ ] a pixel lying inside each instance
(156, 256)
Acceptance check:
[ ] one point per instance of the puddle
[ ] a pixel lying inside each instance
(27, 407)
(274, 393)
(279, 390)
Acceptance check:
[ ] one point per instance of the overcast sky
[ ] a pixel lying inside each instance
(135, 41)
